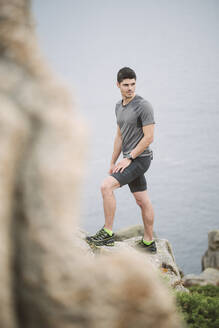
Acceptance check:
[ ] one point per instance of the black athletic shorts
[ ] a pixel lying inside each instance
(133, 175)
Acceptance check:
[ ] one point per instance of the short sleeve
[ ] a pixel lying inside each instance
(146, 113)
(116, 110)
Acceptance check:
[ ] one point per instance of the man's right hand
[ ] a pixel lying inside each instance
(111, 168)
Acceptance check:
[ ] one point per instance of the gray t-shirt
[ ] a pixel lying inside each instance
(131, 118)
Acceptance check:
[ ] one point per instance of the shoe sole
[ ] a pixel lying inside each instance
(146, 249)
(98, 246)
(152, 252)
(108, 243)
(101, 243)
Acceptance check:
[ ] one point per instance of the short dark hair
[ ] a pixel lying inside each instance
(125, 73)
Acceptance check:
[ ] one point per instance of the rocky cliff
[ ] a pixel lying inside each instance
(163, 261)
(210, 264)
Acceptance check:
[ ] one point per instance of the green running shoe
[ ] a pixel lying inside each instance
(152, 248)
(101, 238)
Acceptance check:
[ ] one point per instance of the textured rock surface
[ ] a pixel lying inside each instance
(209, 276)
(210, 264)
(11, 137)
(49, 276)
(163, 260)
(129, 232)
(211, 256)
(38, 131)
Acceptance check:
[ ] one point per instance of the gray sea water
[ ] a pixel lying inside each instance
(173, 47)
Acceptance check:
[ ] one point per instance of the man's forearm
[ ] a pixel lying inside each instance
(116, 149)
(141, 146)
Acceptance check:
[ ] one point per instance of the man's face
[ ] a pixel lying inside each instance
(127, 87)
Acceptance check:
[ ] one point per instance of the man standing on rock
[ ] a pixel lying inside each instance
(135, 132)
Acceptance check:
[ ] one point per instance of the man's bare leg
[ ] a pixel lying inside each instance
(109, 202)
(147, 212)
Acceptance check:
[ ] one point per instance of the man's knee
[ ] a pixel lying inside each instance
(108, 185)
(142, 200)
(105, 187)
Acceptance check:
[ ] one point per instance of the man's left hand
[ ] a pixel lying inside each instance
(125, 162)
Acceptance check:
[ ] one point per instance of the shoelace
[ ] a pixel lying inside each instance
(100, 234)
